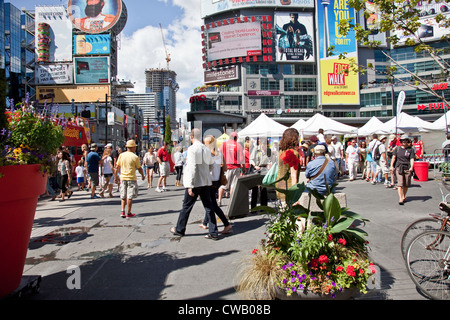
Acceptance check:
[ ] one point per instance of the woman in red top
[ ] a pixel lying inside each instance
(418, 145)
(247, 156)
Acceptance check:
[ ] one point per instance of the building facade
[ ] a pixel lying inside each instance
(273, 59)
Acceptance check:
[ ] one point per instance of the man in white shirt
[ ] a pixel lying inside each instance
(382, 162)
(197, 181)
(352, 159)
(338, 153)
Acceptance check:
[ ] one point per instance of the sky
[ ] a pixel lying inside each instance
(141, 44)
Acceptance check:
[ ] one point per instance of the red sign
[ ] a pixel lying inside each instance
(254, 53)
(265, 93)
(431, 106)
(440, 86)
(197, 98)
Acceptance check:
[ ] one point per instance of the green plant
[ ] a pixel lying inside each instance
(322, 252)
(29, 138)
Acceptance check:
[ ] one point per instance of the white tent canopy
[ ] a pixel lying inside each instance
(328, 125)
(263, 126)
(439, 124)
(371, 127)
(406, 123)
(299, 125)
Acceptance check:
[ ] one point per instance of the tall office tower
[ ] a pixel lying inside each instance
(162, 82)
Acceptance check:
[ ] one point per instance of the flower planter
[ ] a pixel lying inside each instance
(308, 295)
(20, 188)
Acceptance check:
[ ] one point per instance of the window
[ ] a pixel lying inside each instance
(300, 84)
(300, 102)
(270, 102)
(267, 84)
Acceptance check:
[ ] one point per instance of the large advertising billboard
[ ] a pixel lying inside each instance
(53, 31)
(91, 70)
(90, 44)
(234, 40)
(54, 74)
(79, 94)
(211, 7)
(338, 87)
(94, 16)
(429, 29)
(295, 34)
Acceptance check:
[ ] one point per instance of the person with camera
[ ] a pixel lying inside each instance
(403, 159)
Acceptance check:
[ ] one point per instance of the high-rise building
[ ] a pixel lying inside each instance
(162, 82)
(273, 59)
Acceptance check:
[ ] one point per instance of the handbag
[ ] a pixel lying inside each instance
(271, 176)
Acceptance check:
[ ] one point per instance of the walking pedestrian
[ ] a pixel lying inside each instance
(197, 180)
(107, 170)
(128, 162)
(380, 157)
(178, 163)
(81, 172)
(403, 158)
(164, 167)
(64, 174)
(362, 158)
(234, 159)
(211, 143)
(352, 159)
(93, 162)
(338, 153)
(149, 165)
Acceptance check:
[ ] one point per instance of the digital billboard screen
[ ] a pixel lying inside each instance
(94, 16)
(91, 70)
(90, 44)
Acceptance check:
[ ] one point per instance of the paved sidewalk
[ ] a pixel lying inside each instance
(139, 259)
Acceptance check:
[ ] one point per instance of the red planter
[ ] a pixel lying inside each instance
(20, 188)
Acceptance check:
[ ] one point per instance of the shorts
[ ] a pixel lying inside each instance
(149, 167)
(232, 175)
(94, 178)
(382, 167)
(403, 179)
(107, 175)
(80, 179)
(128, 189)
(164, 169)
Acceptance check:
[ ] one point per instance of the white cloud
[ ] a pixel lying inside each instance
(144, 50)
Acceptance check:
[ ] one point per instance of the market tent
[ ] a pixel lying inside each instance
(263, 126)
(406, 123)
(299, 125)
(372, 126)
(222, 139)
(328, 125)
(439, 124)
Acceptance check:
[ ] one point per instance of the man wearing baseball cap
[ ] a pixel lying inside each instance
(128, 162)
(320, 172)
(93, 161)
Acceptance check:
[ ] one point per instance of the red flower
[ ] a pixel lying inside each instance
(314, 263)
(361, 271)
(330, 237)
(290, 158)
(255, 251)
(323, 259)
(342, 241)
(339, 268)
(350, 271)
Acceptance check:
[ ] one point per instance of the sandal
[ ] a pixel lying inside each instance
(227, 230)
(203, 226)
(208, 236)
(175, 232)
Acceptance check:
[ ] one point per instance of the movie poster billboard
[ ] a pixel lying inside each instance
(91, 70)
(53, 34)
(211, 7)
(338, 87)
(90, 44)
(234, 40)
(54, 74)
(295, 35)
(93, 17)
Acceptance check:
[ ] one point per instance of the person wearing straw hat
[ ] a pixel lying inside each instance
(403, 158)
(128, 162)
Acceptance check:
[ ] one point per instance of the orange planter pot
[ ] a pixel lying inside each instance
(20, 188)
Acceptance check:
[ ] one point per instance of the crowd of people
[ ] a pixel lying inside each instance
(210, 172)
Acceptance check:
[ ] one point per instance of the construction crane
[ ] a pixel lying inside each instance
(165, 48)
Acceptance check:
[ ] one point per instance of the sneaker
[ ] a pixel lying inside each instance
(374, 182)
(130, 215)
(164, 189)
(95, 197)
(122, 214)
(158, 190)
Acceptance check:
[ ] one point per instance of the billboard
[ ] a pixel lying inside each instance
(294, 34)
(429, 29)
(54, 74)
(80, 94)
(235, 40)
(226, 74)
(90, 44)
(94, 16)
(91, 70)
(53, 34)
(211, 7)
(337, 86)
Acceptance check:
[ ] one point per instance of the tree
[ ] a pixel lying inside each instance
(168, 132)
(399, 18)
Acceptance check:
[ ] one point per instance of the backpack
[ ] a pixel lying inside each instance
(376, 153)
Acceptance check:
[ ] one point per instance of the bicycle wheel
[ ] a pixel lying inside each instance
(428, 263)
(417, 227)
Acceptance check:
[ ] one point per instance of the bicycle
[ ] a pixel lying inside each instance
(434, 222)
(428, 263)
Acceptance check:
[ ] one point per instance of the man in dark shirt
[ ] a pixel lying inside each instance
(93, 161)
(403, 159)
